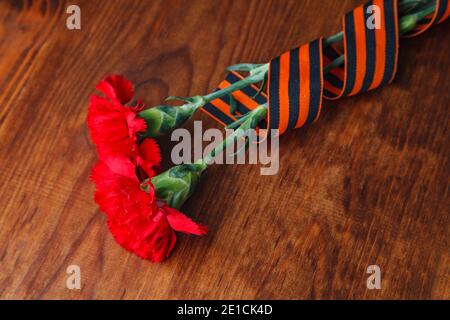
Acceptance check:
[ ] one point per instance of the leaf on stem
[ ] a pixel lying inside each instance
(195, 100)
(233, 104)
(243, 67)
(262, 87)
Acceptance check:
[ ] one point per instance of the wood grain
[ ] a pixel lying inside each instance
(367, 184)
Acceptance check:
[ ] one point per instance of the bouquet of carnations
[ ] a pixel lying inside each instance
(142, 205)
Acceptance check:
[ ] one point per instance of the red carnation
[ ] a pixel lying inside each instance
(117, 186)
(137, 221)
(115, 127)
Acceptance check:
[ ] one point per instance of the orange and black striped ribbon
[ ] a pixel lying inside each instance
(370, 53)
(295, 87)
(297, 84)
(246, 99)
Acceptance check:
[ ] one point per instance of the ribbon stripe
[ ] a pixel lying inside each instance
(370, 51)
(316, 79)
(392, 37)
(295, 87)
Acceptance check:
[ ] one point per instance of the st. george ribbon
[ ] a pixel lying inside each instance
(296, 80)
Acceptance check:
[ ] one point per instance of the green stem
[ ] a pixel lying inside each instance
(409, 22)
(256, 75)
(334, 38)
(251, 121)
(334, 64)
(406, 6)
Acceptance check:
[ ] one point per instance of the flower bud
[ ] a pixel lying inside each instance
(162, 120)
(177, 184)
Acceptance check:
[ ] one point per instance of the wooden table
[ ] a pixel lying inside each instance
(366, 185)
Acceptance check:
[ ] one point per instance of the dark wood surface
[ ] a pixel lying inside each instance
(367, 184)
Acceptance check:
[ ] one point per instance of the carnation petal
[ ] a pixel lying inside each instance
(150, 155)
(182, 223)
(116, 88)
(120, 165)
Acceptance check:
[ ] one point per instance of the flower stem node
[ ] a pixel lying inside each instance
(177, 184)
